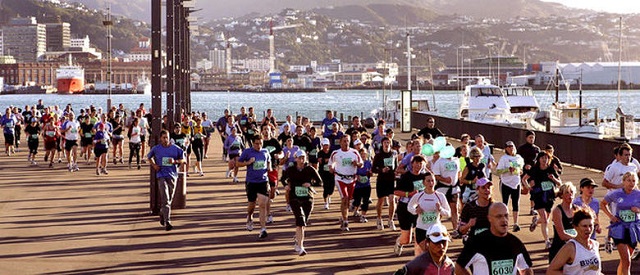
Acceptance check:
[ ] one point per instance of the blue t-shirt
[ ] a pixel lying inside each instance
(8, 123)
(406, 161)
(257, 171)
(162, 155)
(624, 202)
(363, 175)
(327, 125)
(102, 140)
(291, 161)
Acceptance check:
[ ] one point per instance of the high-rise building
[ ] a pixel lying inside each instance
(218, 58)
(58, 36)
(25, 39)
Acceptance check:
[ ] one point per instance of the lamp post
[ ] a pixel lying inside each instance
(108, 23)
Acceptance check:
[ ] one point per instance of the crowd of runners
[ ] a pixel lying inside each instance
(422, 184)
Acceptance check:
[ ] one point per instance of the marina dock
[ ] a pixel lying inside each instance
(57, 222)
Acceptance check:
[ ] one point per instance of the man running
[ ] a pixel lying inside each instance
(344, 164)
(71, 130)
(164, 159)
(258, 162)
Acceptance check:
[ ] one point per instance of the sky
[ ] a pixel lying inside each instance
(615, 6)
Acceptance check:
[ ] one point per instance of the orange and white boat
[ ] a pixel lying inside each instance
(70, 79)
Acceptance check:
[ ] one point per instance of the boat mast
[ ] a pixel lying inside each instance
(557, 84)
(433, 92)
(619, 60)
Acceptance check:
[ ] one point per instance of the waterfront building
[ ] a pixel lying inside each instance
(25, 39)
(218, 59)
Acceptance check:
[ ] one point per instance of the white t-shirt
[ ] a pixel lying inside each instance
(616, 170)
(143, 126)
(509, 179)
(72, 129)
(341, 161)
(427, 202)
(447, 168)
(135, 134)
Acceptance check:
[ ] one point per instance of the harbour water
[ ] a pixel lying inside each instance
(313, 105)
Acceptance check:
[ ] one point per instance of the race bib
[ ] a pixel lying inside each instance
(9, 124)
(243, 122)
(198, 135)
(250, 132)
(627, 215)
(167, 161)
(451, 166)
(180, 141)
(429, 217)
(364, 179)
(74, 130)
(326, 168)
(546, 185)
(314, 152)
(259, 165)
(502, 267)
(34, 136)
(51, 133)
(388, 162)
(87, 135)
(290, 164)
(303, 148)
(347, 161)
(417, 185)
(336, 142)
(302, 191)
(480, 230)
(484, 160)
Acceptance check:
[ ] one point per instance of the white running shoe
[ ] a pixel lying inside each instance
(326, 205)
(397, 249)
(363, 219)
(269, 219)
(635, 254)
(302, 252)
(288, 208)
(379, 224)
(608, 246)
(392, 226)
(249, 225)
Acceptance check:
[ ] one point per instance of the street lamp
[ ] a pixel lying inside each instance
(108, 23)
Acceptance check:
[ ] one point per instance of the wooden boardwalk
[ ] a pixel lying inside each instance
(56, 222)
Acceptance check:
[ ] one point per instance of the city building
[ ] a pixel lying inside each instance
(58, 36)
(29, 73)
(25, 39)
(218, 59)
(140, 53)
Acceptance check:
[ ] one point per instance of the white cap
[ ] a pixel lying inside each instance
(356, 142)
(325, 141)
(437, 233)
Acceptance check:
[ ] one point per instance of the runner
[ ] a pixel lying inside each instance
(509, 170)
(208, 129)
(327, 123)
(410, 183)
(562, 216)
(118, 139)
(542, 179)
(8, 122)
(51, 133)
(101, 149)
(447, 173)
(300, 178)
(481, 253)
(275, 152)
(163, 159)
(18, 127)
(288, 151)
(430, 129)
(197, 145)
(529, 152)
(144, 127)
(362, 190)
(258, 164)
(71, 129)
(586, 199)
(579, 255)
(179, 139)
(233, 145)
(86, 140)
(328, 178)
(33, 133)
(473, 170)
(344, 164)
(315, 147)
(488, 160)
(430, 206)
(384, 164)
(221, 126)
(435, 261)
(187, 130)
(473, 217)
(625, 225)
(134, 141)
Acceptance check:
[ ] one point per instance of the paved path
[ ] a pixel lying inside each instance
(56, 222)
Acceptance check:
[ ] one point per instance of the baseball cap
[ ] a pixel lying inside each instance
(482, 182)
(325, 141)
(587, 182)
(438, 233)
(356, 142)
(510, 143)
(299, 153)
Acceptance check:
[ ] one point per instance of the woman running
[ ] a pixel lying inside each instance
(430, 206)
(562, 216)
(233, 145)
(625, 225)
(509, 170)
(197, 145)
(579, 255)
(134, 141)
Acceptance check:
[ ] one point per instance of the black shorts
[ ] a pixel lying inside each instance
(301, 208)
(99, 151)
(253, 189)
(8, 138)
(143, 138)
(33, 145)
(232, 156)
(539, 203)
(421, 235)
(626, 240)
(84, 142)
(68, 144)
(406, 219)
(384, 189)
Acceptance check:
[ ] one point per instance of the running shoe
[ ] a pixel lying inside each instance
(97, 172)
(379, 224)
(352, 208)
(235, 179)
(168, 226)
(115, 161)
(345, 226)
(608, 246)
(397, 249)
(326, 205)
(456, 234)
(263, 234)
(392, 225)
(363, 219)
(270, 219)
(356, 213)
(249, 225)
(34, 162)
(302, 252)
(547, 245)
(59, 160)
(296, 247)
(288, 208)
(161, 220)
(104, 170)
(201, 174)
(533, 212)
(129, 165)
(121, 161)
(139, 166)
(50, 164)
(76, 168)
(635, 254)
(516, 228)
(534, 223)
(70, 168)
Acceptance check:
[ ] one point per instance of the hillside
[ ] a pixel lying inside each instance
(83, 22)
